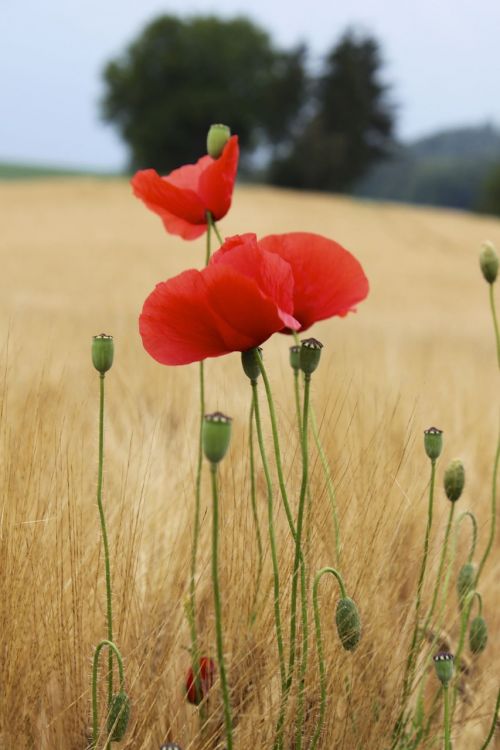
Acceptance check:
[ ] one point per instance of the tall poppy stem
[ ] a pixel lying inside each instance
(105, 542)
(272, 536)
(493, 724)
(213, 225)
(218, 610)
(95, 714)
(253, 499)
(447, 729)
(444, 551)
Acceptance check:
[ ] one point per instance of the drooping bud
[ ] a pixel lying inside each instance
(310, 354)
(217, 137)
(295, 357)
(443, 663)
(216, 434)
(465, 581)
(488, 260)
(433, 442)
(348, 623)
(250, 362)
(454, 480)
(119, 715)
(207, 678)
(478, 635)
(103, 350)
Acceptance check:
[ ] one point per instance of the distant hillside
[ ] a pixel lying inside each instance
(450, 168)
(16, 171)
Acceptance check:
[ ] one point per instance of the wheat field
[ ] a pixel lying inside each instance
(79, 257)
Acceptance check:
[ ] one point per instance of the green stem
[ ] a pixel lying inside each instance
(95, 665)
(218, 610)
(493, 724)
(464, 623)
(472, 517)
(329, 483)
(491, 538)
(253, 498)
(272, 537)
(213, 225)
(319, 647)
(442, 560)
(447, 735)
(107, 565)
(296, 566)
(495, 323)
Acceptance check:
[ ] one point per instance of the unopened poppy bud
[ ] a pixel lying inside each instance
(433, 442)
(295, 357)
(465, 581)
(103, 350)
(216, 435)
(310, 354)
(119, 715)
(443, 663)
(478, 635)
(171, 746)
(454, 480)
(488, 260)
(250, 362)
(348, 623)
(217, 137)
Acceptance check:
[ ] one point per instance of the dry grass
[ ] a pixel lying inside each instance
(79, 257)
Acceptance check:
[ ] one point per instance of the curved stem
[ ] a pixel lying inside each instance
(493, 724)
(213, 225)
(474, 532)
(297, 565)
(491, 537)
(329, 483)
(272, 537)
(253, 499)
(442, 560)
(319, 647)
(95, 665)
(218, 610)
(107, 564)
(495, 323)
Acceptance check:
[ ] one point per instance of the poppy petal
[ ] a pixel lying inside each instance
(328, 280)
(216, 181)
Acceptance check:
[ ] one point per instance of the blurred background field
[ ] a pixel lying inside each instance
(78, 257)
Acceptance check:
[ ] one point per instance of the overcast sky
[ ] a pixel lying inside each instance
(442, 60)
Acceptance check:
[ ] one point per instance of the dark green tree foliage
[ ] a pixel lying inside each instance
(351, 123)
(181, 75)
(489, 200)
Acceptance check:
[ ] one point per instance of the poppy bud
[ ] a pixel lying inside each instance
(465, 581)
(171, 746)
(433, 442)
(217, 137)
(250, 363)
(348, 623)
(119, 715)
(454, 480)
(295, 357)
(443, 663)
(102, 352)
(478, 635)
(488, 260)
(207, 677)
(310, 353)
(216, 435)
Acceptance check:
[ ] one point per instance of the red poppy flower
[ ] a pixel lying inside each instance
(235, 304)
(183, 197)
(207, 678)
(328, 280)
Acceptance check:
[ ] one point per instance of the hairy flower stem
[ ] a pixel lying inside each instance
(319, 647)
(228, 721)
(495, 323)
(253, 499)
(297, 565)
(447, 728)
(329, 484)
(493, 724)
(95, 716)
(105, 542)
(213, 225)
(464, 622)
(469, 514)
(442, 560)
(416, 637)
(272, 536)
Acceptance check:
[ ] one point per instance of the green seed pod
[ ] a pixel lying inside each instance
(443, 663)
(488, 260)
(465, 581)
(295, 357)
(348, 623)
(433, 442)
(454, 480)
(216, 434)
(310, 354)
(217, 137)
(119, 715)
(103, 350)
(478, 635)
(250, 363)
(171, 746)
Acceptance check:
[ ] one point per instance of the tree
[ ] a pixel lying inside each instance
(489, 198)
(179, 76)
(350, 125)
